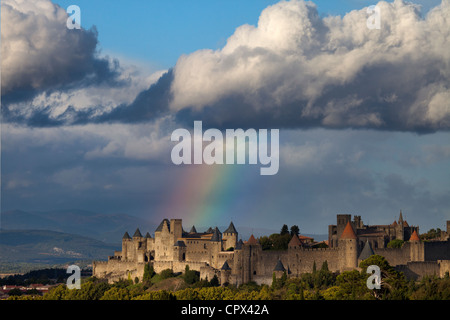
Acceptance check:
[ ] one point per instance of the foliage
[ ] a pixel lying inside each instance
(295, 230)
(116, 293)
(394, 285)
(396, 243)
(167, 273)
(156, 295)
(284, 230)
(149, 272)
(190, 276)
(432, 288)
(431, 234)
(214, 281)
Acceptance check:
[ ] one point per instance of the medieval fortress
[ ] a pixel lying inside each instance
(235, 261)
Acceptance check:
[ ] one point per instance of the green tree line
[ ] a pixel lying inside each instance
(320, 284)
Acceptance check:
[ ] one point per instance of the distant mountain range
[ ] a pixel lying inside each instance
(108, 228)
(104, 227)
(50, 247)
(59, 237)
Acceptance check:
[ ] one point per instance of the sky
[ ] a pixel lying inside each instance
(363, 114)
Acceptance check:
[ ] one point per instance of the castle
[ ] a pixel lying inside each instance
(234, 261)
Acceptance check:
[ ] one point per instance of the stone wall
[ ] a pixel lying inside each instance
(435, 250)
(417, 269)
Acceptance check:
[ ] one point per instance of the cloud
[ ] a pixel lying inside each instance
(296, 69)
(40, 53)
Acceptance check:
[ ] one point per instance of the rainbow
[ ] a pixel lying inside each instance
(205, 195)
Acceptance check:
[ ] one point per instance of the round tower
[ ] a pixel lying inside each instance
(348, 243)
(126, 239)
(416, 247)
(225, 273)
(230, 237)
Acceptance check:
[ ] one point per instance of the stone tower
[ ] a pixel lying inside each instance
(225, 273)
(176, 229)
(216, 246)
(348, 244)
(279, 269)
(251, 251)
(416, 247)
(126, 240)
(230, 237)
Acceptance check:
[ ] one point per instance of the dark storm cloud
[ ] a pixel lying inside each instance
(294, 70)
(39, 53)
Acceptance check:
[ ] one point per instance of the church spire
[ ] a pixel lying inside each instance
(400, 219)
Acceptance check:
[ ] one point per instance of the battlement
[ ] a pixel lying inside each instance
(172, 248)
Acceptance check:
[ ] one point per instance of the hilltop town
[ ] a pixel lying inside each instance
(221, 254)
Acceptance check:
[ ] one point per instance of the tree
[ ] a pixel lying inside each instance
(284, 230)
(149, 272)
(396, 243)
(15, 292)
(214, 281)
(166, 273)
(393, 283)
(116, 293)
(190, 276)
(352, 286)
(265, 242)
(295, 230)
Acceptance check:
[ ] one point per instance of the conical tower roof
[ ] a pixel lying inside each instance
(216, 235)
(231, 229)
(239, 245)
(137, 234)
(279, 266)
(225, 266)
(147, 236)
(367, 251)
(210, 230)
(193, 230)
(160, 227)
(348, 232)
(252, 240)
(414, 236)
(126, 236)
(295, 241)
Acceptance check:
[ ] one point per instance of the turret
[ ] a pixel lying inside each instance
(225, 273)
(279, 269)
(416, 247)
(216, 246)
(348, 245)
(366, 252)
(294, 243)
(179, 252)
(230, 237)
(125, 240)
(176, 229)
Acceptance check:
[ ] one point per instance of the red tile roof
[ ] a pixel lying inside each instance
(348, 232)
(414, 236)
(252, 240)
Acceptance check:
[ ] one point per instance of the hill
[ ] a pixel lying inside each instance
(104, 227)
(44, 247)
